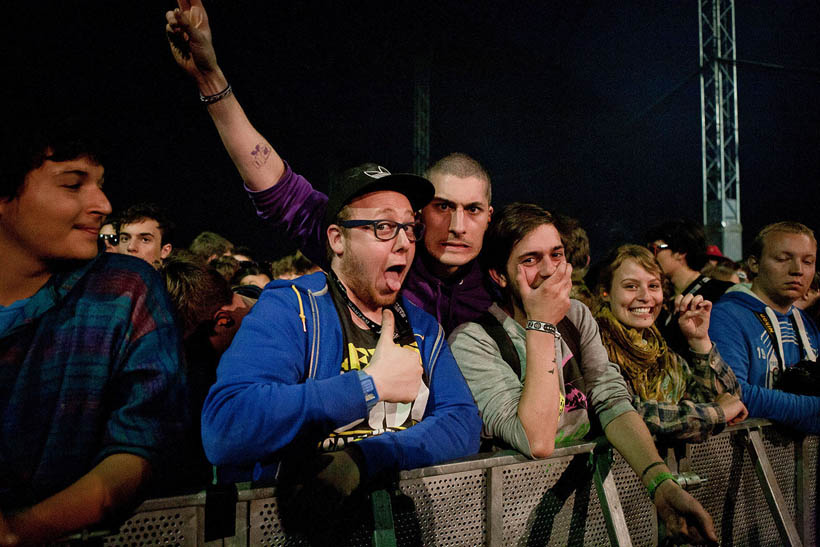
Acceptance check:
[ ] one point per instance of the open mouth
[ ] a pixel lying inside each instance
(393, 276)
(640, 311)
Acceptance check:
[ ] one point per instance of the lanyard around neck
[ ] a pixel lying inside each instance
(396, 308)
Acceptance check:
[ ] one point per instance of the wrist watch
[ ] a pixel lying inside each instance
(371, 396)
(549, 328)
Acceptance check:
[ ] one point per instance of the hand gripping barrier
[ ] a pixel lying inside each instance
(757, 480)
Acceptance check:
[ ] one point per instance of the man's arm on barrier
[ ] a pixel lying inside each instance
(682, 515)
(111, 484)
(799, 411)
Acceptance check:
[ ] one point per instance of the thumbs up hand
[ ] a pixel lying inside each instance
(396, 371)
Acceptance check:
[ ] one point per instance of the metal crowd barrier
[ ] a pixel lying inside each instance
(758, 483)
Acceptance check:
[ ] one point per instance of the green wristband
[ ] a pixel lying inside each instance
(656, 481)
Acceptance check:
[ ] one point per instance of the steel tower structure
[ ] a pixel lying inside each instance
(719, 130)
(421, 108)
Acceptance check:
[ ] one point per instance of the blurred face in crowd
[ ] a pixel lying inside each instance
(58, 212)
(258, 280)
(455, 221)
(669, 261)
(109, 237)
(635, 296)
(143, 240)
(539, 253)
(785, 269)
(227, 321)
(373, 270)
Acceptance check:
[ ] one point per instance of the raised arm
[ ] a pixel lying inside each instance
(189, 35)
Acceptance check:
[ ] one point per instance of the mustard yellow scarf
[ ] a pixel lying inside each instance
(652, 368)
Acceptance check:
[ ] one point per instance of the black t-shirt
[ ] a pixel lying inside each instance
(359, 347)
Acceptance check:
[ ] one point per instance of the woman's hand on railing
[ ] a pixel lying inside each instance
(734, 410)
(684, 519)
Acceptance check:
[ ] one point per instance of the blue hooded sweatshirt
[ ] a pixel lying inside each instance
(745, 344)
(279, 384)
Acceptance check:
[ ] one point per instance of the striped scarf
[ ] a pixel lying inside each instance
(651, 367)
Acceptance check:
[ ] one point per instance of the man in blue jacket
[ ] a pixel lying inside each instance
(760, 332)
(338, 365)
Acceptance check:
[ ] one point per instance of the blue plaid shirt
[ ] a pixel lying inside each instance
(91, 368)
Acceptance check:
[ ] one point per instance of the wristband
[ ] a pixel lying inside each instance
(211, 99)
(371, 396)
(656, 481)
(549, 328)
(648, 467)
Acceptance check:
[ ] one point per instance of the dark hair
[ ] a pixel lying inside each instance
(508, 227)
(576, 242)
(196, 291)
(226, 266)
(28, 144)
(244, 251)
(207, 244)
(296, 264)
(149, 211)
(683, 236)
(462, 166)
(245, 269)
(756, 249)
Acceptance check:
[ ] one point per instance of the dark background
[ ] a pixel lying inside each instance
(590, 108)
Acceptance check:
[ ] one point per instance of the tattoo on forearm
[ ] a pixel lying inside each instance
(552, 371)
(260, 155)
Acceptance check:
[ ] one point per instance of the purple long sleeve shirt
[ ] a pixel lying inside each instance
(294, 207)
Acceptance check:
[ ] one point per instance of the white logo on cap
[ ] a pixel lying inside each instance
(378, 173)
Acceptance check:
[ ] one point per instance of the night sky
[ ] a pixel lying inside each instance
(589, 108)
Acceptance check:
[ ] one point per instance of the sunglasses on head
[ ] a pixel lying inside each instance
(657, 247)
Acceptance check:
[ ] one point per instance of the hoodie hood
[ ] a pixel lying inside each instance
(743, 296)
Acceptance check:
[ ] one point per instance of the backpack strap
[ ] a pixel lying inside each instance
(505, 344)
(571, 335)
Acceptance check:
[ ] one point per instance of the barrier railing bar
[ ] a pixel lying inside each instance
(616, 526)
(486, 461)
(801, 515)
(495, 507)
(771, 490)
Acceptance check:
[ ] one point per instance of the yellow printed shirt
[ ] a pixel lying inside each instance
(360, 345)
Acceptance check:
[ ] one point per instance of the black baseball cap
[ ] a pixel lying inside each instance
(371, 177)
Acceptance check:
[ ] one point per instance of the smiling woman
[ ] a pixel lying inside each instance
(678, 398)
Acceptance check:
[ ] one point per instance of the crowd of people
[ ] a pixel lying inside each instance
(420, 325)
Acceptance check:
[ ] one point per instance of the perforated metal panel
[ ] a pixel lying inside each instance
(450, 510)
(639, 511)
(177, 527)
(782, 452)
(811, 462)
(552, 503)
(266, 528)
(732, 495)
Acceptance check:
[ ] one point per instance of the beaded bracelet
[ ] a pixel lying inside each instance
(211, 99)
(656, 481)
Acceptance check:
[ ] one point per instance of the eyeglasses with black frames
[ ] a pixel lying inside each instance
(657, 247)
(113, 239)
(385, 230)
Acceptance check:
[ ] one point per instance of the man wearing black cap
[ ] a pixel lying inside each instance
(338, 366)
